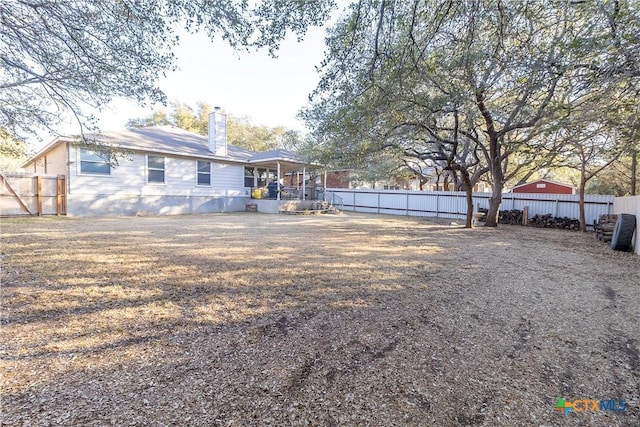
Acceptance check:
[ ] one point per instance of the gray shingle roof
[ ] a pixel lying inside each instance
(175, 141)
(278, 154)
(168, 140)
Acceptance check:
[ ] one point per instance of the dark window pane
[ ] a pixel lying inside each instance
(248, 181)
(90, 167)
(204, 179)
(156, 176)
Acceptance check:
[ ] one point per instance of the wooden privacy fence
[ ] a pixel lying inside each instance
(452, 204)
(26, 194)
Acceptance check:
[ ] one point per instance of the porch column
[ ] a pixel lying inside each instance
(304, 188)
(324, 187)
(278, 183)
(255, 177)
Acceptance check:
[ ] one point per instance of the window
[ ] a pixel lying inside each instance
(94, 163)
(204, 172)
(155, 169)
(248, 177)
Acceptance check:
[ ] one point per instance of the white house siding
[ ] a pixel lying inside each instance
(126, 191)
(53, 162)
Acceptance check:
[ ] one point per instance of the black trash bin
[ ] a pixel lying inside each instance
(273, 190)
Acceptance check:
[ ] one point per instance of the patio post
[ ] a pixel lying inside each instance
(278, 183)
(324, 187)
(304, 177)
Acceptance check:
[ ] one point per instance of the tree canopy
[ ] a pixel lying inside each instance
(59, 57)
(474, 84)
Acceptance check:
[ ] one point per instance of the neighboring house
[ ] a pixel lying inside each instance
(544, 186)
(164, 170)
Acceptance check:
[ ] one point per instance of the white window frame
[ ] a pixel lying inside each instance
(198, 173)
(104, 161)
(164, 170)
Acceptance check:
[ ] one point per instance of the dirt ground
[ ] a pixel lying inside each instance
(353, 319)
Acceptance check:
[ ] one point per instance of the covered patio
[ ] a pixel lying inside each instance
(278, 178)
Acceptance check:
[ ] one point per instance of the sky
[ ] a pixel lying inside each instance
(270, 91)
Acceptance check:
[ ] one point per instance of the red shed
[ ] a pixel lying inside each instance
(544, 186)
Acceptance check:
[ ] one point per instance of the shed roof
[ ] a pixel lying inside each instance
(542, 180)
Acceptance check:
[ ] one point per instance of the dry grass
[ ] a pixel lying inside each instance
(252, 319)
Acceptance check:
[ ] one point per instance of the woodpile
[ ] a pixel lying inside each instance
(516, 217)
(604, 227)
(511, 217)
(549, 221)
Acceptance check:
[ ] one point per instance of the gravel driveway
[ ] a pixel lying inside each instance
(353, 319)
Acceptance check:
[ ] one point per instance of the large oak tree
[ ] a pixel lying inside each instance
(507, 69)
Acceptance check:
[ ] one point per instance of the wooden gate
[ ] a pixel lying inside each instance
(26, 194)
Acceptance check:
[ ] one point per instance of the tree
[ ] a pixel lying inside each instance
(510, 70)
(497, 65)
(59, 57)
(13, 151)
(589, 149)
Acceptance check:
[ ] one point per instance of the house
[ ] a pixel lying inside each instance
(161, 170)
(544, 186)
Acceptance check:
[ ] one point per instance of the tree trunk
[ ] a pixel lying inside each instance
(494, 160)
(634, 171)
(494, 204)
(581, 214)
(468, 188)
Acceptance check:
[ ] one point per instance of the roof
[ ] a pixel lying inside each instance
(278, 154)
(542, 180)
(175, 141)
(168, 140)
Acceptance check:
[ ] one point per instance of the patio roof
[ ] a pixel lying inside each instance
(288, 160)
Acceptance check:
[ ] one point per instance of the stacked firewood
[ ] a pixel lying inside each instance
(511, 217)
(549, 221)
(515, 217)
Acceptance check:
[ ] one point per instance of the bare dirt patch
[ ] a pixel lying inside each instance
(252, 319)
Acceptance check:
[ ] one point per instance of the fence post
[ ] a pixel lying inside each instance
(60, 189)
(407, 205)
(437, 205)
(378, 201)
(39, 194)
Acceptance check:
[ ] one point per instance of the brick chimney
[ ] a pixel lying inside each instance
(218, 132)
